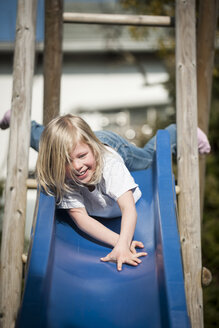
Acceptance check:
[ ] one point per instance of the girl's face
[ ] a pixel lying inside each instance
(83, 162)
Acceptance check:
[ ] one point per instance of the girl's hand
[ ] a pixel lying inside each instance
(122, 254)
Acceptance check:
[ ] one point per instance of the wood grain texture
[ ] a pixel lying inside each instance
(187, 157)
(52, 59)
(17, 167)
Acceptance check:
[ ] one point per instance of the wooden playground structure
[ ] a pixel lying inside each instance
(193, 88)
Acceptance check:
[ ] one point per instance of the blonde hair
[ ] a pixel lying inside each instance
(58, 140)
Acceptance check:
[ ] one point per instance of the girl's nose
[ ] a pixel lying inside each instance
(77, 164)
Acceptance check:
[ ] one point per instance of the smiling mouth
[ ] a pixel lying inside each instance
(81, 174)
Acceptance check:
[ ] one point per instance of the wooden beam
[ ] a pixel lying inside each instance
(31, 184)
(17, 167)
(112, 19)
(207, 27)
(187, 157)
(52, 58)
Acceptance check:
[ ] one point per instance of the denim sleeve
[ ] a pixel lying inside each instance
(36, 131)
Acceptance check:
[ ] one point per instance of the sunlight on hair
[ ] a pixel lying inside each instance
(58, 140)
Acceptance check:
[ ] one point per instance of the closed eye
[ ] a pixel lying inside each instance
(82, 155)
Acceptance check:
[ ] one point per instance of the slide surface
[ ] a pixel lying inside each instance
(68, 286)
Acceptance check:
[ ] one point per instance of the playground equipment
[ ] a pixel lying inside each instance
(68, 286)
(189, 214)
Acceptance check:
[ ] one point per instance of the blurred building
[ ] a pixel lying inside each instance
(110, 79)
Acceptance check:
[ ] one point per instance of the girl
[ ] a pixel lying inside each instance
(83, 174)
(90, 179)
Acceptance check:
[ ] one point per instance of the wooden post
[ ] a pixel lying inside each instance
(207, 27)
(15, 189)
(52, 58)
(187, 156)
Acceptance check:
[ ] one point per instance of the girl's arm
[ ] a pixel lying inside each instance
(123, 252)
(124, 248)
(129, 217)
(92, 227)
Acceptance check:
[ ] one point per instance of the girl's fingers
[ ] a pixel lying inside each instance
(138, 244)
(137, 260)
(133, 250)
(132, 262)
(139, 254)
(119, 265)
(106, 258)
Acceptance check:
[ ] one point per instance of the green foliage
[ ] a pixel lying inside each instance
(149, 7)
(210, 228)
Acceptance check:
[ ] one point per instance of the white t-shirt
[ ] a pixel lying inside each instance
(102, 201)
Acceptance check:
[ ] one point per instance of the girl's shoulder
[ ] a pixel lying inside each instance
(113, 165)
(111, 155)
(116, 178)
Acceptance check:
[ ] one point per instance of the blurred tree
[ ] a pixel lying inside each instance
(154, 8)
(210, 227)
(165, 37)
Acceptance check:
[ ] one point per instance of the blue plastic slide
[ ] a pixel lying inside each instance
(67, 285)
